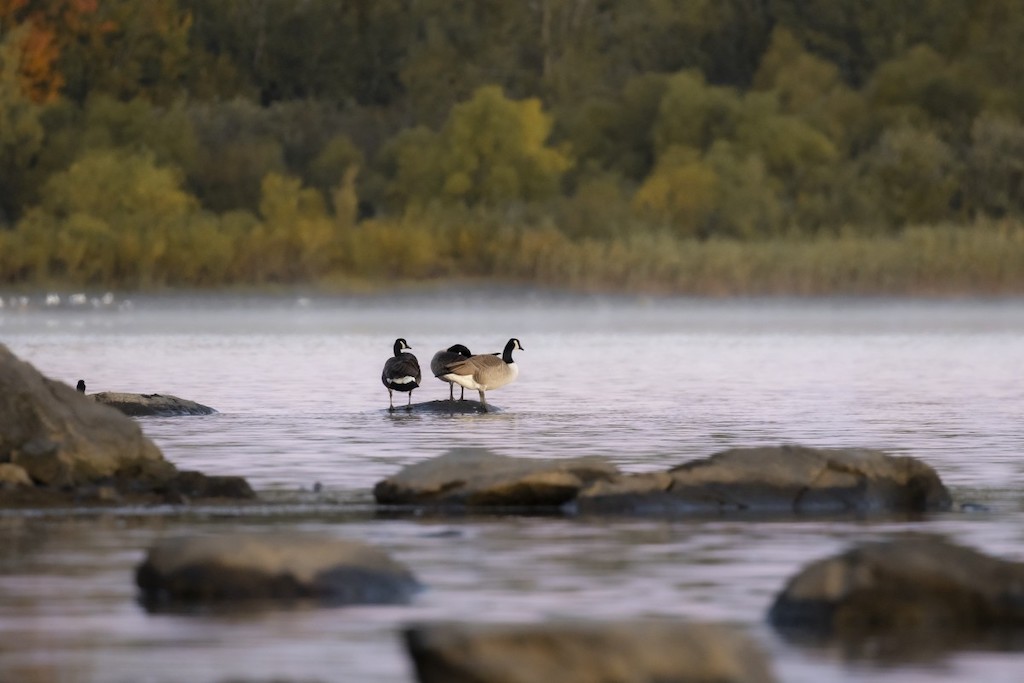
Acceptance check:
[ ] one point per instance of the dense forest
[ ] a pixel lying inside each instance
(701, 146)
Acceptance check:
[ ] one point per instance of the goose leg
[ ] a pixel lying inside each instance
(483, 401)
(463, 396)
(451, 391)
(391, 399)
(408, 406)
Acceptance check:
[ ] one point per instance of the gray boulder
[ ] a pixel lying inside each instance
(475, 477)
(905, 594)
(180, 572)
(60, 438)
(69, 447)
(151, 405)
(625, 652)
(781, 479)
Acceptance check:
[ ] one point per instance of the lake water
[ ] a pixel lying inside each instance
(649, 383)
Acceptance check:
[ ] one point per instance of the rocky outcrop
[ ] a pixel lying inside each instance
(910, 592)
(782, 479)
(151, 405)
(75, 450)
(182, 572)
(472, 477)
(585, 653)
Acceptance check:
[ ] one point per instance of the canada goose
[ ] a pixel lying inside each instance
(483, 372)
(401, 372)
(443, 358)
(81, 386)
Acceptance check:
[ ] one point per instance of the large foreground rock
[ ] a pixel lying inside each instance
(59, 447)
(151, 405)
(276, 567)
(629, 652)
(911, 592)
(475, 477)
(782, 479)
(59, 437)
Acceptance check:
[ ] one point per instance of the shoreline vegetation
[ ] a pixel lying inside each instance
(983, 259)
(683, 147)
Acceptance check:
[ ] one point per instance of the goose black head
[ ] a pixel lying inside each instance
(81, 386)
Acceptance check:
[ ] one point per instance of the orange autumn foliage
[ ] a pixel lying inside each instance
(53, 25)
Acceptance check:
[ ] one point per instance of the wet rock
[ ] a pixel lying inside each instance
(151, 405)
(782, 479)
(73, 450)
(58, 437)
(907, 594)
(270, 567)
(637, 652)
(12, 475)
(445, 407)
(472, 477)
(191, 484)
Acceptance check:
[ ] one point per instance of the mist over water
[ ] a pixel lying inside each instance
(648, 383)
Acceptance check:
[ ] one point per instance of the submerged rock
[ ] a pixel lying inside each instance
(476, 477)
(151, 405)
(585, 653)
(905, 594)
(446, 407)
(73, 450)
(180, 572)
(784, 479)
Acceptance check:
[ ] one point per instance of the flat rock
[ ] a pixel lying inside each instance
(777, 479)
(476, 477)
(622, 652)
(189, 571)
(909, 593)
(150, 405)
(443, 407)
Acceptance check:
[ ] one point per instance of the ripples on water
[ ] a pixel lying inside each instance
(647, 383)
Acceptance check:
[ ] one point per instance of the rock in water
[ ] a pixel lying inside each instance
(151, 405)
(59, 448)
(476, 477)
(911, 592)
(624, 652)
(59, 437)
(180, 572)
(779, 479)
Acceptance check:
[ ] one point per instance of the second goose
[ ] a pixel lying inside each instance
(483, 372)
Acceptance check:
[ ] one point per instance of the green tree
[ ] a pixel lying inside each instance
(917, 176)
(994, 173)
(112, 216)
(21, 133)
(492, 150)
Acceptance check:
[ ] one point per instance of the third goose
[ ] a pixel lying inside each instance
(483, 372)
(401, 372)
(443, 358)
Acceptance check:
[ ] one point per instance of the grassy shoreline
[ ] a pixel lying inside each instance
(981, 259)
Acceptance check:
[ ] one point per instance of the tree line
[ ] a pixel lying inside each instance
(151, 143)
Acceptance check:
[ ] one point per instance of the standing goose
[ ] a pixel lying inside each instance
(443, 358)
(483, 372)
(401, 373)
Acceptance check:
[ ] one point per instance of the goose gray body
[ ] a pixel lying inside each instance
(401, 372)
(484, 372)
(442, 359)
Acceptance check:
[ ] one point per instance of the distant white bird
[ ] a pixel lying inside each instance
(401, 372)
(483, 372)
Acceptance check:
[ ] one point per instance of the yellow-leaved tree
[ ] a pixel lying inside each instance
(492, 150)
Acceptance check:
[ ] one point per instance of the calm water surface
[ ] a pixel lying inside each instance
(647, 383)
